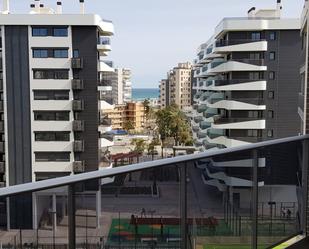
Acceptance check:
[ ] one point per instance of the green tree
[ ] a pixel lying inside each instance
(128, 125)
(139, 145)
(172, 122)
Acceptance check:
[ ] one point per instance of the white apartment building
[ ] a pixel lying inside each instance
(51, 72)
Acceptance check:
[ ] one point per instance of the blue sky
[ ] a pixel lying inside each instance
(154, 35)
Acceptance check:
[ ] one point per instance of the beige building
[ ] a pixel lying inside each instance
(164, 96)
(130, 112)
(176, 89)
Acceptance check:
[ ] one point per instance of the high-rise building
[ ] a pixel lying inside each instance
(303, 109)
(164, 93)
(176, 89)
(247, 86)
(120, 80)
(51, 69)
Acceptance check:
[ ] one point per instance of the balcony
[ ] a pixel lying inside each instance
(104, 44)
(78, 105)
(77, 63)
(78, 125)
(238, 65)
(78, 146)
(238, 85)
(105, 121)
(253, 212)
(239, 104)
(77, 84)
(227, 46)
(78, 167)
(105, 85)
(239, 123)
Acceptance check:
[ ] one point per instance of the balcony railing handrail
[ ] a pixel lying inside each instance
(222, 43)
(235, 120)
(111, 172)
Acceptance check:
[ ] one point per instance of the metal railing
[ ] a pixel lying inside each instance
(189, 222)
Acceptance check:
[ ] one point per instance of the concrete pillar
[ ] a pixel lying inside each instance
(35, 211)
(8, 219)
(231, 195)
(98, 206)
(54, 211)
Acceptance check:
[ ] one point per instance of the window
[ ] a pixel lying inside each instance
(253, 114)
(255, 56)
(52, 156)
(272, 36)
(61, 53)
(52, 136)
(252, 133)
(256, 75)
(272, 75)
(40, 53)
(52, 115)
(75, 53)
(39, 32)
(272, 56)
(51, 94)
(270, 114)
(271, 94)
(270, 133)
(60, 32)
(255, 36)
(51, 73)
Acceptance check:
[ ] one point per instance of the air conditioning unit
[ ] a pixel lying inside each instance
(77, 63)
(78, 105)
(78, 166)
(78, 125)
(78, 146)
(77, 84)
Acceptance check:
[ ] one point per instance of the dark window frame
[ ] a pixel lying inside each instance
(51, 115)
(38, 31)
(272, 36)
(52, 156)
(272, 56)
(272, 75)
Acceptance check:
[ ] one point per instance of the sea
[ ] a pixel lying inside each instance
(140, 94)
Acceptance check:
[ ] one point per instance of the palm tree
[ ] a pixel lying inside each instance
(139, 144)
(128, 125)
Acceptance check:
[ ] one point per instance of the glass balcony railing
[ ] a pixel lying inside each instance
(223, 43)
(103, 40)
(252, 196)
(234, 81)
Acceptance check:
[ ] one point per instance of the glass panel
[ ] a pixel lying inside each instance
(279, 193)
(61, 53)
(219, 196)
(60, 32)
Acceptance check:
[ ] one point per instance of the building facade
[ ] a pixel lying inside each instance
(177, 88)
(247, 82)
(303, 94)
(132, 112)
(51, 67)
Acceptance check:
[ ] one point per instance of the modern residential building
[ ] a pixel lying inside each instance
(127, 85)
(247, 86)
(303, 109)
(51, 67)
(120, 80)
(119, 115)
(176, 89)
